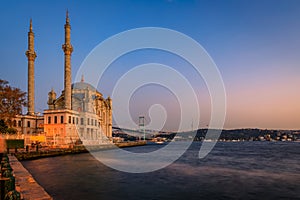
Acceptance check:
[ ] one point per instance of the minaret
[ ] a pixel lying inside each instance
(68, 49)
(31, 55)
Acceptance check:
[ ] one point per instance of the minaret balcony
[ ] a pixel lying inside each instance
(68, 49)
(31, 55)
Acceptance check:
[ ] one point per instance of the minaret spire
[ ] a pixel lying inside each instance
(30, 26)
(31, 55)
(67, 17)
(68, 49)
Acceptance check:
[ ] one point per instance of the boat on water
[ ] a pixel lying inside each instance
(159, 140)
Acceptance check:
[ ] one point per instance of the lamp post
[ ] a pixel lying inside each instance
(36, 114)
(55, 135)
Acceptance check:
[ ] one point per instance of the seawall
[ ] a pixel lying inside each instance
(25, 183)
(130, 144)
(75, 150)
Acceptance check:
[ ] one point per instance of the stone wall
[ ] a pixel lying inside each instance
(25, 183)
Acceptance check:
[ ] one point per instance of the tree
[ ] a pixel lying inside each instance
(4, 129)
(11, 102)
(3, 126)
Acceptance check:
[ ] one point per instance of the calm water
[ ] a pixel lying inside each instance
(233, 170)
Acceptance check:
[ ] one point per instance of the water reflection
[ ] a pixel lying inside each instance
(245, 170)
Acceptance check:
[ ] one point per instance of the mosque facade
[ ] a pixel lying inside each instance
(79, 115)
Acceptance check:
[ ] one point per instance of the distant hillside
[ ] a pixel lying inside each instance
(244, 134)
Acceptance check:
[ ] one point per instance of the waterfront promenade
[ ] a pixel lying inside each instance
(25, 183)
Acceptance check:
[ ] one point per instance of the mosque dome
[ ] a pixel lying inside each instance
(83, 86)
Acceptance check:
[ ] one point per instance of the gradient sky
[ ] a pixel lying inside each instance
(255, 44)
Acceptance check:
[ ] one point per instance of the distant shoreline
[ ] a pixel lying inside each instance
(237, 135)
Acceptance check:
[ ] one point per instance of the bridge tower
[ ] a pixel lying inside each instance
(142, 125)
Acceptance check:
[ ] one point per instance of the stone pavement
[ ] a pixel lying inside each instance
(25, 184)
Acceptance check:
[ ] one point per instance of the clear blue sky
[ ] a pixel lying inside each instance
(255, 44)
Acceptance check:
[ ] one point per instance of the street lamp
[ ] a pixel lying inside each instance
(36, 114)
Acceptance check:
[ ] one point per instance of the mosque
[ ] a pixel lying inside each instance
(79, 115)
